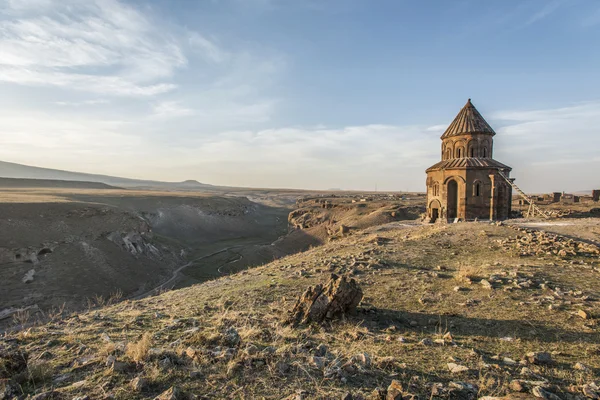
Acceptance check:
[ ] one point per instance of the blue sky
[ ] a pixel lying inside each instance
(299, 93)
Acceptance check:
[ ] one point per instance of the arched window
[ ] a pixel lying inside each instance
(484, 153)
(448, 154)
(459, 152)
(477, 189)
(472, 152)
(436, 189)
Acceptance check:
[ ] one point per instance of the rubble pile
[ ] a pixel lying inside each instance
(530, 242)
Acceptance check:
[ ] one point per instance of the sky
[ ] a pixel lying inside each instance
(312, 94)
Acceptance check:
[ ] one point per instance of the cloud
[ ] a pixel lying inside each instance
(92, 102)
(358, 157)
(551, 148)
(547, 9)
(99, 46)
(170, 109)
(207, 48)
(68, 141)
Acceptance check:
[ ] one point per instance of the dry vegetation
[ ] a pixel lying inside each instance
(449, 312)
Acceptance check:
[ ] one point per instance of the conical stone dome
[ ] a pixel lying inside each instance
(468, 121)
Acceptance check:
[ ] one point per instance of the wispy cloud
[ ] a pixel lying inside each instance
(170, 109)
(92, 102)
(548, 8)
(100, 46)
(357, 157)
(551, 148)
(207, 48)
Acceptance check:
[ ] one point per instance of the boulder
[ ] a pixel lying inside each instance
(337, 297)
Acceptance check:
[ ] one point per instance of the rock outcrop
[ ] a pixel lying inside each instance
(339, 296)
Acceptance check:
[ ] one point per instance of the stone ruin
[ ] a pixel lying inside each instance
(338, 297)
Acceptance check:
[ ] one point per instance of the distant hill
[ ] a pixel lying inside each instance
(49, 183)
(20, 171)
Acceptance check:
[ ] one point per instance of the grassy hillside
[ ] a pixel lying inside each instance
(456, 311)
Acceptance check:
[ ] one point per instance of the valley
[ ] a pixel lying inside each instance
(70, 246)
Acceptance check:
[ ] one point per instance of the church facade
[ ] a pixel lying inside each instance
(468, 183)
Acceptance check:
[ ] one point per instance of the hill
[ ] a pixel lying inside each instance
(8, 183)
(13, 170)
(457, 311)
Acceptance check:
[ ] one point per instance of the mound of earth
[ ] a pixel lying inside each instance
(449, 312)
(343, 213)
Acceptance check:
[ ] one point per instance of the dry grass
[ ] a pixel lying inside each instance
(138, 351)
(468, 273)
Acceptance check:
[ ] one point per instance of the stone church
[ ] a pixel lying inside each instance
(468, 183)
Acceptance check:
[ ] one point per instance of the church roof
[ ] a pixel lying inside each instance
(468, 120)
(468, 162)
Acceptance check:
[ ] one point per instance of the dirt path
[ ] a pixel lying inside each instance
(177, 273)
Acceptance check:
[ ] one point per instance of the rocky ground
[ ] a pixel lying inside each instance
(459, 311)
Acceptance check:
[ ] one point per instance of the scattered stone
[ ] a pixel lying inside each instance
(363, 359)
(110, 360)
(317, 362)
(517, 386)
(426, 342)
(138, 384)
(251, 349)
(456, 368)
(542, 393)
(395, 391)
(539, 358)
(173, 393)
(486, 284)
(120, 367)
(591, 391)
(581, 367)
(583, 314)
(339, 296)
(231, 337)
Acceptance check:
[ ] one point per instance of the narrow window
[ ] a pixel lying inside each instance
(477, 189)
(485, 152)
(472, 152)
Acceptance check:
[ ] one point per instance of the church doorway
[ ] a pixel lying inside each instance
(452, 199)
(434, 214)
(434, 211)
